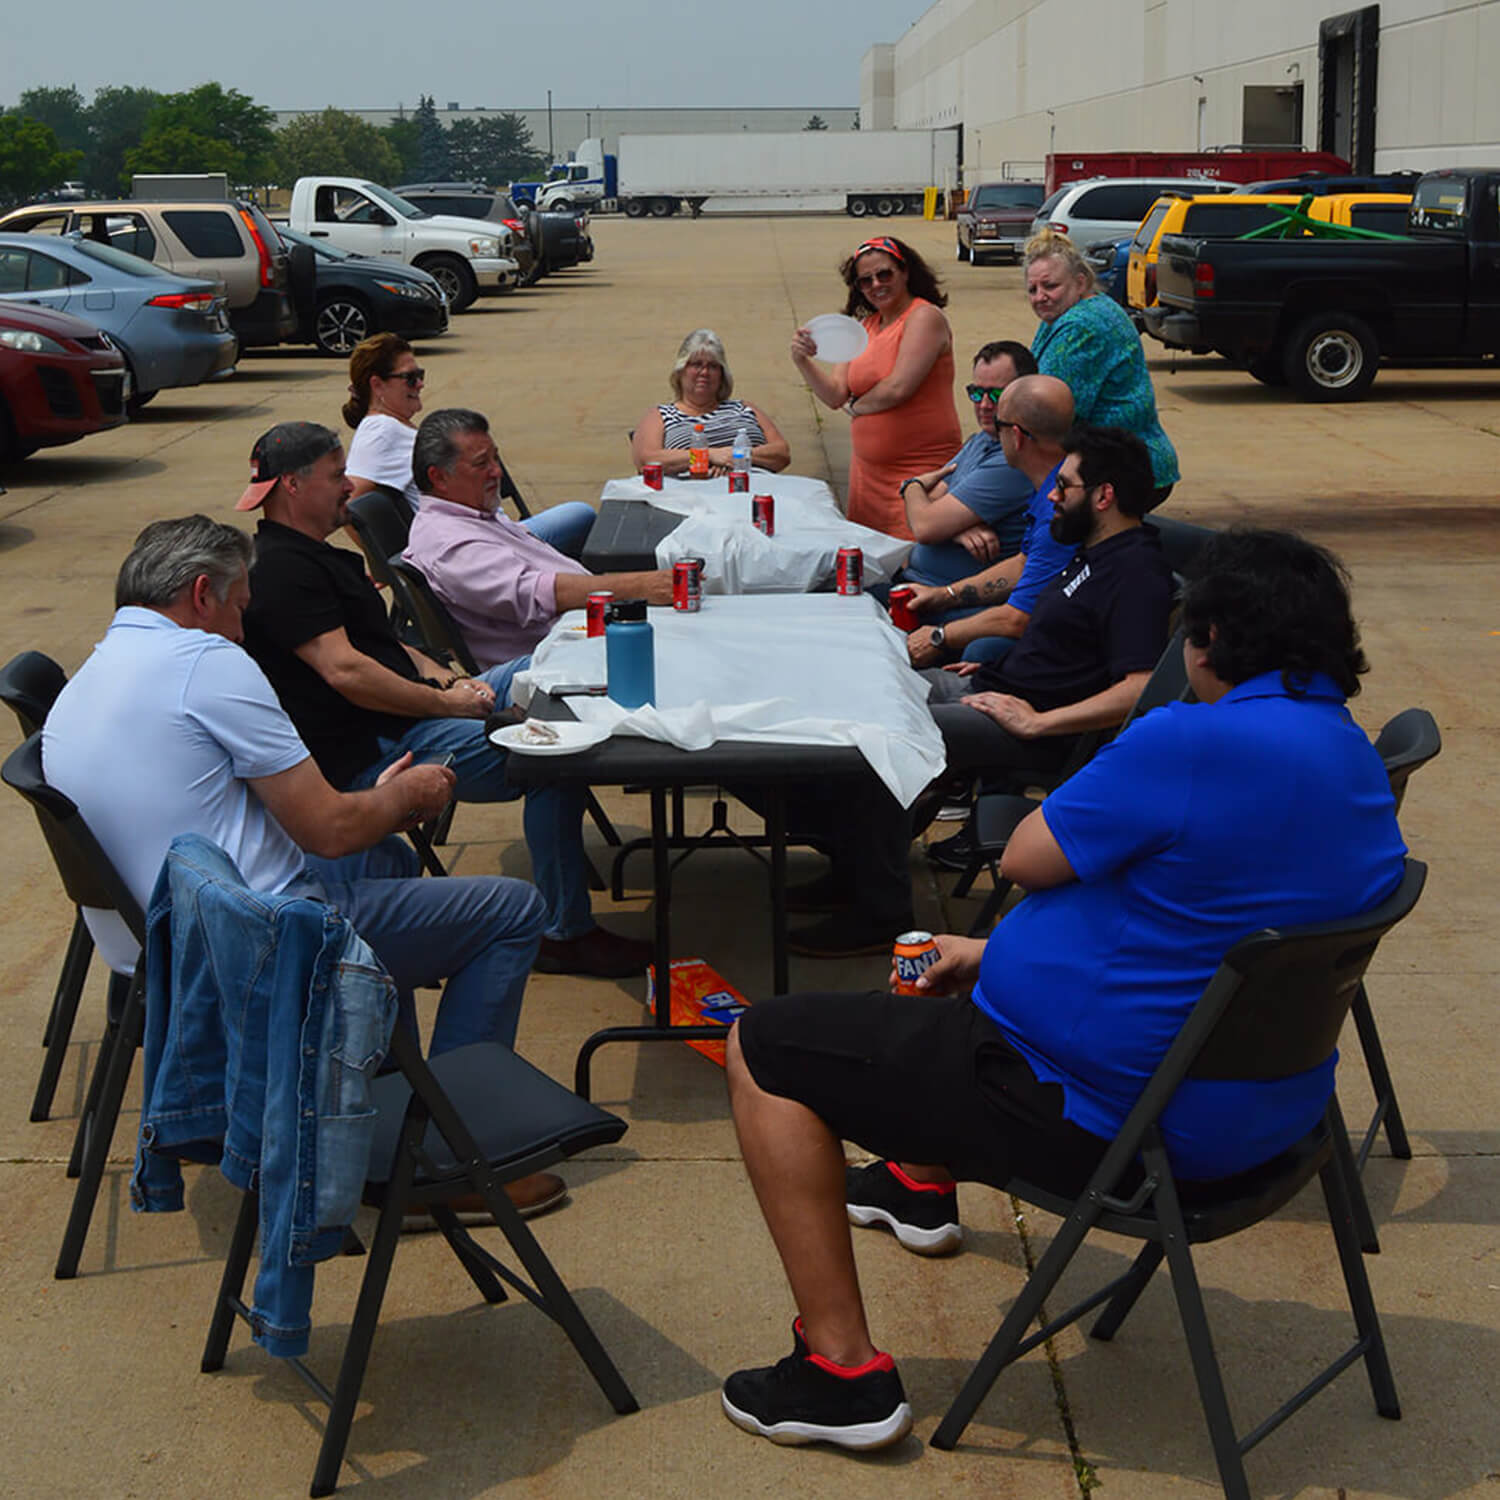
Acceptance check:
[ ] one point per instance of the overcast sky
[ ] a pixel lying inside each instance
(289, 54)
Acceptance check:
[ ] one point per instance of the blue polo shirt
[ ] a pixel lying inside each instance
(1199, 825)
(1045, 558)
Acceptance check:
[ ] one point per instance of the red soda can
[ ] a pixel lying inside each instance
(902, 615)
(763, 514)
(739, 482)
(913, 955)
(651, 473)
(597, 606)
(687, 585)
(850, 575)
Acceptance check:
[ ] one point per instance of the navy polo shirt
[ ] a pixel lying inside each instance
(1197, 826)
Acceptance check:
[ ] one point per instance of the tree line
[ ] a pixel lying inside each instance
(53, 135)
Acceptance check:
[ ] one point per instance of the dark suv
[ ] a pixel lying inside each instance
(557, 241)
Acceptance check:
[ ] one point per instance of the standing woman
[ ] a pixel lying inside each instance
(899, 391)
(385, 395)
(1087, 341)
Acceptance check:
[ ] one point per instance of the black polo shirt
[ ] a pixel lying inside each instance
(1104, 616)
(301, 589)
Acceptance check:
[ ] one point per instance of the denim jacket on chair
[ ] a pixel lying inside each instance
(266, 1018)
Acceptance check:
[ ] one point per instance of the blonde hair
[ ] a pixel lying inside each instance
(1047, 244)
(702, 341)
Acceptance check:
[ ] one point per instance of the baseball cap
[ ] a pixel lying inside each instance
(287, 447)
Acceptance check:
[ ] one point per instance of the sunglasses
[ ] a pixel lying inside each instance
(977, 393)
(876, 278)
(413, 378)
(1016, 425)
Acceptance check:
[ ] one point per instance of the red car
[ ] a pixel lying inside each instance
(60, 379)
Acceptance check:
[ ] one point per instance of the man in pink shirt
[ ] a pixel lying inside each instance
(503, 585)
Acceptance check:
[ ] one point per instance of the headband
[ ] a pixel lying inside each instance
(885, 244)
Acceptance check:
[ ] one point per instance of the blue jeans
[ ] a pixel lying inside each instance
(564, 526)
(478, 932)
(553, 818)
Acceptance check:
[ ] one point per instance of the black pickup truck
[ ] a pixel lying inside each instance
(1320, 314)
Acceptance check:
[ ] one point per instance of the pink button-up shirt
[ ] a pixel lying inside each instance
(497, 579)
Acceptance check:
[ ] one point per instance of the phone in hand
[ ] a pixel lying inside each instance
(444, 760)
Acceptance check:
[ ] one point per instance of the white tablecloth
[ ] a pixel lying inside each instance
(810, 529)
(789, 669)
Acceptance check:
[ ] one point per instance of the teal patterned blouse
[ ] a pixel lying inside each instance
(1095, 348)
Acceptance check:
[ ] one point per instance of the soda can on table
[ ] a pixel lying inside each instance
(903, 617)
(687, 585)
(913, 955)
(651, 473)
(763, 513)
(849, 577)
(739, 482)
(597, 607)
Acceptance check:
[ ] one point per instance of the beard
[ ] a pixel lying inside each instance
(1071, 527)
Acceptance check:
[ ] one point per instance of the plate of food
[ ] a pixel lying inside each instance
(549, 736)
(838, 338)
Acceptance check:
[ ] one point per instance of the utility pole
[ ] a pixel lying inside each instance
(551, 150)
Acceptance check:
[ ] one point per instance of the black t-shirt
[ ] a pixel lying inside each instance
(301, 589)
(1104, 616)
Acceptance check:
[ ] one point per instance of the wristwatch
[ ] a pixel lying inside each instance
(938, 636)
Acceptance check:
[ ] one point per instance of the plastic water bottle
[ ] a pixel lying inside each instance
(630, 654)
(739, 460)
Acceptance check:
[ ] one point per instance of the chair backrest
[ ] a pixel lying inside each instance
(508, 491)
(88, 874)
(29, 685)
(1180, 540)
(1168, 682)
(382, 521)
(1406, 744)
(439, 631)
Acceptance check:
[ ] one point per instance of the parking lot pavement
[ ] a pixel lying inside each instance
(662, 1239)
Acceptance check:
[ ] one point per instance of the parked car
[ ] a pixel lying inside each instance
(1109, 208)
(351, 296)
(172, 330)
(1111, 260)
(60, 379)
(1322, 183)
(996, 219)
(472, 200)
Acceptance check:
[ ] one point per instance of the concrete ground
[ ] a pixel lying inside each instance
(102, 1393)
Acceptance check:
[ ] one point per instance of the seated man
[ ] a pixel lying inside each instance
(973, 509)
(170, 728)
(503, 586)
(1261, 805)
(1097, 631)
(979, 617)
(361, 699)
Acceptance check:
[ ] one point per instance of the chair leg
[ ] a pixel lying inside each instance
(1107, 1324)
(1359, 1204)
(101, 1126)
(59, 1031)
(596, 811)
(965, 882)
(114, 1004)
(463, 1247)
(231, 1283)
(1387, 1111)
(981, 924)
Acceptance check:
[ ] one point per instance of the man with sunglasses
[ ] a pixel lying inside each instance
(973, 509)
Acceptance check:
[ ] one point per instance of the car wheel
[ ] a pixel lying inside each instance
(341, 323)
(634, 208)
(885, 207)
(562, 206)
(1267, 368)
(898, 205)
(1332, 357)
(858, 207)
(973, 254)
(137, 397)
(455, 278)
(959, 251)
(660, 207)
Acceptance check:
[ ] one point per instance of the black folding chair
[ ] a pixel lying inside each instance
(91, 880)
(29, 685)
(468, 1121)
(381, 518)
(1180, 540)
(1273, 1009)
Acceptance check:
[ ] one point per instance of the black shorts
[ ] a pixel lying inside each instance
(922, 1080)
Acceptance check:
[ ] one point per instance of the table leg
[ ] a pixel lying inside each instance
(776, 833)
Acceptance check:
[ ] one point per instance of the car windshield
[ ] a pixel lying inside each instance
(1441, 203)
(1146, 234)
(994, 195)
(394, 201)
(318, 247)
(132, 265)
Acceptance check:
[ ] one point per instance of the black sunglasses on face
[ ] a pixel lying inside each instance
(1022, 430)
(977, 393)
(413, 378)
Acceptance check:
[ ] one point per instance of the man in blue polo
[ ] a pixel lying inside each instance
(1263, 804)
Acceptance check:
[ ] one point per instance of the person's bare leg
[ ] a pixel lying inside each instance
(796, 1166)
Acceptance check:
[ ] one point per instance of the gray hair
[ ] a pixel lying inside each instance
(169, 555)
(703, 341)
(435, 447)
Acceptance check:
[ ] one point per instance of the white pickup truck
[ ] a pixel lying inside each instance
(466, 256)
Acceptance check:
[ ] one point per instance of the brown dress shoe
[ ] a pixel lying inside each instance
(530, 1196)
(598, 952)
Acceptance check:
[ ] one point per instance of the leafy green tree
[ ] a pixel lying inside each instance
(334, 143)
(30, 159)
(405, 139)
(179, 148)
(206, 129)
(432, 142)
(63, 111)
(495, 150)
(816, 122)
(117, 121)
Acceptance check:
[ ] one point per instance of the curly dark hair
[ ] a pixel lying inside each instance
(921, 279)
(1111, 455)
(1267, 601)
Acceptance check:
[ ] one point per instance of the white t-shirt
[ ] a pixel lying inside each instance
(380, 451)
(157, 735)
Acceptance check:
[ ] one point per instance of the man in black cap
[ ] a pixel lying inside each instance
(361, 698)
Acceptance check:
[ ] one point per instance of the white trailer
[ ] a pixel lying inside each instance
(857, 172)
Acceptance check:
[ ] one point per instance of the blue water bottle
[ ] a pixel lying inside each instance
(630, 654)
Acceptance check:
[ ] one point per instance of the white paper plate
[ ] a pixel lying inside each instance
(838, 338)
(571, 738)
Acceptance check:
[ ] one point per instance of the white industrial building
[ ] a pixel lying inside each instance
(1407, 83)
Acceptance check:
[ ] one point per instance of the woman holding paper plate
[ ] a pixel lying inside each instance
(892, 372)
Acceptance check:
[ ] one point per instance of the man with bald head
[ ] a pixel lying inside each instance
(977, 618)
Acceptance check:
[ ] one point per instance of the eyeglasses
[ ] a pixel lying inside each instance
(977, 393)
(1025, 432)
(413, 378)
(1064, 485)
(876, 278)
